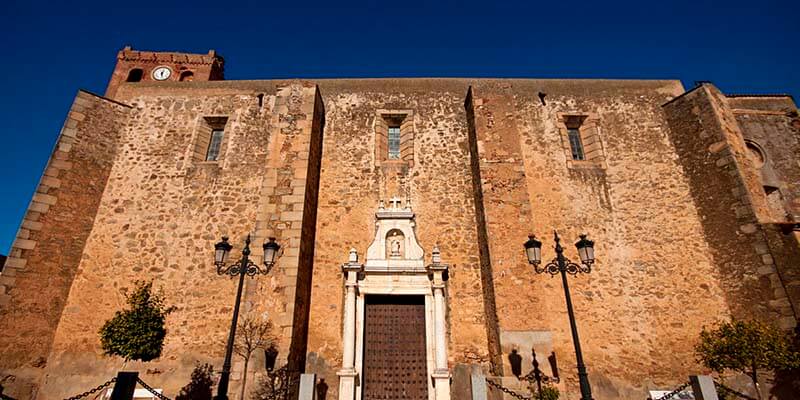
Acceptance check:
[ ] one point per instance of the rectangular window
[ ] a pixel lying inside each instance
(575, 143)
(214, 145)
(394, 142)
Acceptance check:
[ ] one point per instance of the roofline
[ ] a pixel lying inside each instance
(683, 94)
(737, 95)
(105, 98)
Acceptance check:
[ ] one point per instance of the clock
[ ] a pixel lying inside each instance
(161, 73)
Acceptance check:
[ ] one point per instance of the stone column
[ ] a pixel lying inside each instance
(441, 374)
(348, 375)
(439, 323)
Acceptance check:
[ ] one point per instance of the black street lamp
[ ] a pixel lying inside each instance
(562, 265)
(241, 268)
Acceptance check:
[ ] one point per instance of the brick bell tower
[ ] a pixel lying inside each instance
(142, 66)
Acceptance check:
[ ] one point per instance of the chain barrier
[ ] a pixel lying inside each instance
(726, 389)
(93, 391)
(507, 390)
(674, 392)
(151, 390)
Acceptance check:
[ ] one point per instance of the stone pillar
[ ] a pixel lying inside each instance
(308, 389)
(478, 381)
(703, 387)
(441, 335)
(441, 374)
(348, 375)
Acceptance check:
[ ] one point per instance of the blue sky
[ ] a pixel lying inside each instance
(52, 49)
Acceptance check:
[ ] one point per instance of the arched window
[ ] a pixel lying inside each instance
(135, 75)
(187, 76)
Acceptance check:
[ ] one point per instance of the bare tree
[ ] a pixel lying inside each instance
(253, 333)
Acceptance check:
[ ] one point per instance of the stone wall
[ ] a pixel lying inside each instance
(684, 231)
(50, 242)
(487, 278)
(438, 184)
(772, 124)
(727, 190)
(636, 313)
(164, 209)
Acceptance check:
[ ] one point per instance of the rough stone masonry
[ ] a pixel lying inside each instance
(692, 198)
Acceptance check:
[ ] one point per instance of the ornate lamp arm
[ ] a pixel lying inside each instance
(250, 269)
(553, 267)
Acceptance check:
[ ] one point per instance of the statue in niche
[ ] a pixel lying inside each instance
(394, 244)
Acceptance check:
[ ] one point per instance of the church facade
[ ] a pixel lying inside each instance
(401, 207)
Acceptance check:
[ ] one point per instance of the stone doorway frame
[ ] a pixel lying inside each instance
(382, 275)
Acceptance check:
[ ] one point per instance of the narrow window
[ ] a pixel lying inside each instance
(135, 75)
(575, 143)
(394, 142)
(214, 145)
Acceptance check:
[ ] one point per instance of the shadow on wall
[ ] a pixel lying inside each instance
(787, 383)
(516, 363)
(322, 390)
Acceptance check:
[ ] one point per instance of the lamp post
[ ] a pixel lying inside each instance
(241, 268)
(562, 265)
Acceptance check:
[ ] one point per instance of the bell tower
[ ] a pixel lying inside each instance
(142, 66)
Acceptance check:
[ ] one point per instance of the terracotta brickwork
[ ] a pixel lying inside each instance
(677, 190)
(138, 66)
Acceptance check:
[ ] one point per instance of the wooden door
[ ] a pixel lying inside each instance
(395, 365)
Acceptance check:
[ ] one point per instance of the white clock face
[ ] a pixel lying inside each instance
(161, 73)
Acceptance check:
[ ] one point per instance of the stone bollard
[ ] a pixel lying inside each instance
(125, 386)
(308, 388)
(479, 390)
(703, 387)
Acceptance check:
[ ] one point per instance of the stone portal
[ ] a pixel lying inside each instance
(394, 336)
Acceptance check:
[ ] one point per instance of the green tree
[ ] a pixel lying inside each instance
(548, 393)
(137, 333)
(746, 347)
(199, 388)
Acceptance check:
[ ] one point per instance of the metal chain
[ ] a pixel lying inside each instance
(151, 390)
(507, 390)
(674, 392)
(92, 391)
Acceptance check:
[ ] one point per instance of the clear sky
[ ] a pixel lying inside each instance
(52, 49)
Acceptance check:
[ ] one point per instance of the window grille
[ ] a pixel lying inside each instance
(575, 143)
(214, 145)
(394, 142)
